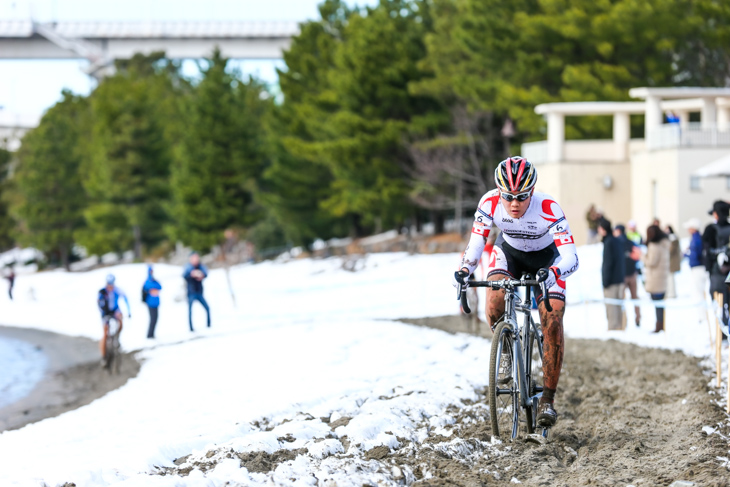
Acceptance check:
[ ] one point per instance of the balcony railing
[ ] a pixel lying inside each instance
(693, 134)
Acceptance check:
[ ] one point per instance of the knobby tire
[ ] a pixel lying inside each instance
(503, 408)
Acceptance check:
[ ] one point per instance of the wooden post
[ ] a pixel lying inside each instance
(718, 343)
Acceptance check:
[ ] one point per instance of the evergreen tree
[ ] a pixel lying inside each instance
(221, 158)
(7, 226)
(127, 164)
(297, 181)
(48, 198)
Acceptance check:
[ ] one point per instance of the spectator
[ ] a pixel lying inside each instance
(151, 297)
(11, 282)
(632, 234)
(593, 216)
(695, 254)
(675, 261)
(715, 240)
(656, 263)
(612, 274)
(194, 274)
(632, 255)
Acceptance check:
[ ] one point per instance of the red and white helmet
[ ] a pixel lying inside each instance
(515, 175)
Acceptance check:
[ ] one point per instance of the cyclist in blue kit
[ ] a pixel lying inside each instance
(108, 302)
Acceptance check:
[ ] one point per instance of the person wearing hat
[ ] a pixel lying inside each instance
(612, 274)
(715, 240)
(151, 297)
(194, 274)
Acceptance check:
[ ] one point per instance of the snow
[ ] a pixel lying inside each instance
(23, 366)
(305, 343)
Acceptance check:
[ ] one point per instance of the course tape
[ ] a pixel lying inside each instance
(661, 303)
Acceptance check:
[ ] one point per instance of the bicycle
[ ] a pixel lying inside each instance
(113, 356)
(522, 346)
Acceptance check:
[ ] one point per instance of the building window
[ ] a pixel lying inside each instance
(694, 183)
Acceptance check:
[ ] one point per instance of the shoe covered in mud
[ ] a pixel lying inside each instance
(546, 415)
(104, 364)
(504, 375)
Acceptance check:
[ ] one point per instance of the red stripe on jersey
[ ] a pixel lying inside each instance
(548, 210)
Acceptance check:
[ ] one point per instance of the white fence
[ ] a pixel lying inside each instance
(693, 134)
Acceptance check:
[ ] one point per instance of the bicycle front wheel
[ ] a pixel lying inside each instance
(503, 393)
(535, 380)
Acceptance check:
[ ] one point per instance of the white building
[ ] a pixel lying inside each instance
(638, 179)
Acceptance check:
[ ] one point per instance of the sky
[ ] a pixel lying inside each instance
(28, 88)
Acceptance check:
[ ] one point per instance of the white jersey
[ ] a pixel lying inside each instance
(543, 224)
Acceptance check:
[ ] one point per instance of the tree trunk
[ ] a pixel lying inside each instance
(63, 249)
(137, 242)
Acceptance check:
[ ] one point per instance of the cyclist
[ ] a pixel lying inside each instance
(535, 235)
(108, 302)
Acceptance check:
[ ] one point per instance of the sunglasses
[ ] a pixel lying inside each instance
(519, 197)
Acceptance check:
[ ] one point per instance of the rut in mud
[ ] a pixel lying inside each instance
(628, 416)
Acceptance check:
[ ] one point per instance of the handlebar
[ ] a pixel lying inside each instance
(503, 284)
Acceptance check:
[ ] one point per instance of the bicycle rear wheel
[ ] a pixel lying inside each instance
(534, 366)
(503, 393)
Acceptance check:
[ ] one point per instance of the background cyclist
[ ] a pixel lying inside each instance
(108, 302)
(535, 235)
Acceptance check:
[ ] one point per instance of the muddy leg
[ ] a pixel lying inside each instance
(495, 303)
(553, 346)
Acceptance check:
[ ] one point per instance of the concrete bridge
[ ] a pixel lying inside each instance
(102, 42)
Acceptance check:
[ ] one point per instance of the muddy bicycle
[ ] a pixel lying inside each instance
(515, 365)
(113, 356)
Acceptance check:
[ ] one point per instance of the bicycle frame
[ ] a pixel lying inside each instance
(521, 337)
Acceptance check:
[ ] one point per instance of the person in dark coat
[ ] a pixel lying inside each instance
(715, 240)
(151, 294)
(612, 274)
(11, 282)
(631, 271)
(194, 274)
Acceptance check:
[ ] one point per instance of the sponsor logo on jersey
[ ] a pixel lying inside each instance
(555, 222)
(508, 220)
(484, 213)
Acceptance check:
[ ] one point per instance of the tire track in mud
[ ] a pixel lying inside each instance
(628, 416)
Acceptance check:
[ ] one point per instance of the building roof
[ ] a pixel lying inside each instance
(592, 107)
(142, 30)
(679, 92)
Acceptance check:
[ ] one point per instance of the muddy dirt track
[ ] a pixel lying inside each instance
(628, 416)
(73, 377)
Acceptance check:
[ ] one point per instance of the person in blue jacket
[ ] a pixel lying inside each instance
(194, 274)
(695, 254)
(151, 296)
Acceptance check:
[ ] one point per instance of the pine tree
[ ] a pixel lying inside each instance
(222, 156)
(48, 198)
(127, 166)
